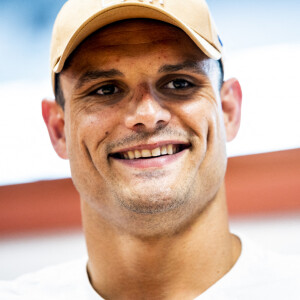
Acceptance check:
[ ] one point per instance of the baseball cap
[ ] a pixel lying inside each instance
(80, 18)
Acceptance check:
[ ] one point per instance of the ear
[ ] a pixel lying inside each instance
(54, 119)
(231, 100)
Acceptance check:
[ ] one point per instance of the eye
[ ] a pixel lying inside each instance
(107, 90)
(178, 84)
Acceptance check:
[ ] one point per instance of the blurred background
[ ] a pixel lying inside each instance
(39, 209)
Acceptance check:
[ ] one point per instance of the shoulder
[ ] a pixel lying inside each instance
(258, 274)
(268, 264)
(263, 274)
(57, 282)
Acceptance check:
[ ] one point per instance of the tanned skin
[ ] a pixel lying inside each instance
(155, 228)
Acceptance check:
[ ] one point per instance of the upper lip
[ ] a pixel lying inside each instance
(151, 146)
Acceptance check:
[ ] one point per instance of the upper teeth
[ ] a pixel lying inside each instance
(163, 150)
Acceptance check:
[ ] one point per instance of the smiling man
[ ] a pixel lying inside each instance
(143, 114)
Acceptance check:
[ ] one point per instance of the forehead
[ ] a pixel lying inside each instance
(136, 36)
(138, 31)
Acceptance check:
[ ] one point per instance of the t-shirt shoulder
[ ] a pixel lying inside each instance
(258, 274)
(263, 265)
(60, 282)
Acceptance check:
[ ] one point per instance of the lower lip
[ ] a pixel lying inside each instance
(155, 162)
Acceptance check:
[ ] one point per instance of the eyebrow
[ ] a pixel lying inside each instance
(189, 65)
(89, 76)
(96, 74)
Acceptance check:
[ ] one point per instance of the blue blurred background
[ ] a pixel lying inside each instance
(25, 30)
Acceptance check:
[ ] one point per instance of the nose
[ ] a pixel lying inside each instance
(146, 113)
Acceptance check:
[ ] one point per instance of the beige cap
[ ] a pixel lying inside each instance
(80, 18)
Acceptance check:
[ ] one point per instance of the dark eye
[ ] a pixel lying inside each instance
(178, 84)
(108, 89)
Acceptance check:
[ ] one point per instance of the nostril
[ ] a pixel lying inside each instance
(161, 123)
(139, 127)
(146, 114)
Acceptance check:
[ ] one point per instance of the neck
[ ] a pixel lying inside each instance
(178, 266)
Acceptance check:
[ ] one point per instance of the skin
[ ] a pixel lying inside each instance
(153, 230)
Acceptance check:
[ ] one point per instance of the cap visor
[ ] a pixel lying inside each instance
(126, 11)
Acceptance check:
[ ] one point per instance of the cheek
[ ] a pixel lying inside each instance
(88, 130)
(200, 115)
(86, 133)
(204, 118)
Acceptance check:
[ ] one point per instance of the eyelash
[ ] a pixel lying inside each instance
(117, 90)
(187, 84)
(107, 86)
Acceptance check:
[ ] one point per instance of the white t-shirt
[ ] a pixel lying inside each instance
(257, 275)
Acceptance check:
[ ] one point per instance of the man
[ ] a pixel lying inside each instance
(143, 115)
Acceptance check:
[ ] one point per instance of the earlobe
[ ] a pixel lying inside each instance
(231, 99)
(53, 116)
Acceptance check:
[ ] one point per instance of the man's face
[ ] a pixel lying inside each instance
(143, 122)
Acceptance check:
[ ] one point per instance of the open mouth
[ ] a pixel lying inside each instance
(153, 153)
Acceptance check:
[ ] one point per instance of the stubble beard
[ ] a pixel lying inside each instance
(153, 197)
(156, 214)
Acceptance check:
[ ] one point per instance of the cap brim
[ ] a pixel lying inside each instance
(130, 11)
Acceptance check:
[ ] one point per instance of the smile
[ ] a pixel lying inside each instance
(147, 152)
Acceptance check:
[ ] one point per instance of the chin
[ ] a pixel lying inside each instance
(152, 204)
(162, 217)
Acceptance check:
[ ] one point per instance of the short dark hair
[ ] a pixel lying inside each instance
(60, 99)
(221, 73)
(59, 95)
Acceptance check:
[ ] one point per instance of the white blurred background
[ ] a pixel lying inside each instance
(262, 42)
